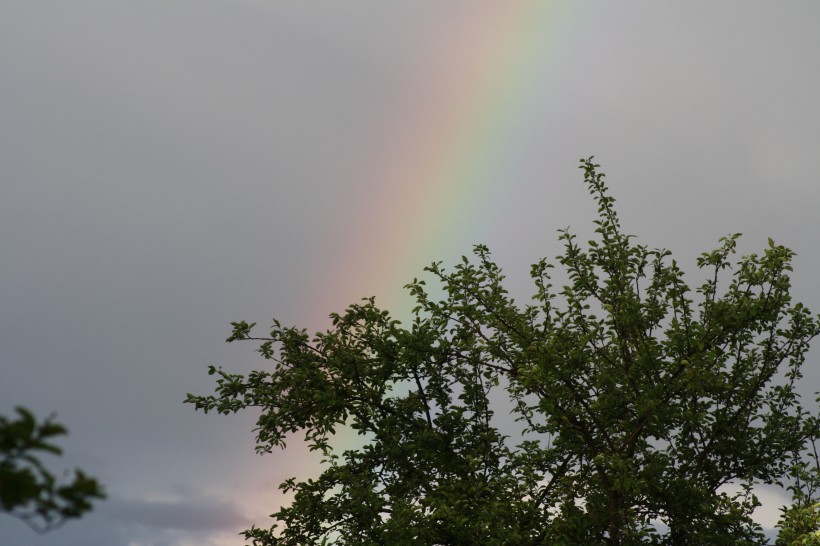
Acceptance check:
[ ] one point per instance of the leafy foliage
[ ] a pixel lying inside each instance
(27, 489)
(800, 523)
(639, 400)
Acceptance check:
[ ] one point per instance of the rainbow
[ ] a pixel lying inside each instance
(447, 150)
(449, 147)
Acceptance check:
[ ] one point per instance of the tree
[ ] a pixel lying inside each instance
(27, 489)
(800, 523)
(647, 412)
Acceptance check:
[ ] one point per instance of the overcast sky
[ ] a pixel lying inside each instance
(169, 166)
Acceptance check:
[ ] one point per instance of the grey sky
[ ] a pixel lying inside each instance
(168, 166)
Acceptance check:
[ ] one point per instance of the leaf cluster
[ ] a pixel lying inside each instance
(28, 490)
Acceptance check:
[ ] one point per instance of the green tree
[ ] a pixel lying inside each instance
(800, 523)
(27, 489)
(638, 401)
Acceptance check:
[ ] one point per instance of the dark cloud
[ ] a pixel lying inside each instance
(183, 514)
(186, 520)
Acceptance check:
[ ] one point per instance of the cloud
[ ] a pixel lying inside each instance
(184, 514)
(187, 518)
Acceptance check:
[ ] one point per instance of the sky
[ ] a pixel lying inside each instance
(170, 166)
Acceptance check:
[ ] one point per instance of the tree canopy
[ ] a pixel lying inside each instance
(28, 490)
(647, 409)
